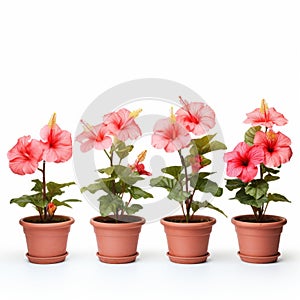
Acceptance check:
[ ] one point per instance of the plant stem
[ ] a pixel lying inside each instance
(255, 212)
(188, 201)
(107, 155)
(44, 218)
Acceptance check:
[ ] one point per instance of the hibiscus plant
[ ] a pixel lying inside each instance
(25, 158)
(185, 132)
(257, 160)
(118, 178)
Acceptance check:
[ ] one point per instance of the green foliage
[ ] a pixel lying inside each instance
(250, 134)
(256, 192)
(119, 181)
(205, 204)
(205, 145)
(121, 149)
(39, 201)
(181, 182)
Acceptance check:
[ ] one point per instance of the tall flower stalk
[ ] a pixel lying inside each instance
(117, 182)
(256, 161)
(24, 158)
(174, 134)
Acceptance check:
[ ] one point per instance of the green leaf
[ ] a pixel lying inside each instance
(55, 189)
(107, 171)
(38, 187)
(195, 177)
(137, 193)
(250, 134)
(232, 184)
(126, 175)
(269, 170)
(205, 161)
(277, 198)
(65, 202)
(178, 194)
(122, 150)
(174, 171)
(207, 186)
(204, 145)
(100, 184)
(60, 203)
(35, 199)
(257, 188)
(269, 177)
(23, 200)
(247, 199)
(213, 146)
(163, 182)
(110, 203)
(209, 205)
(197, 205)
(132, 209)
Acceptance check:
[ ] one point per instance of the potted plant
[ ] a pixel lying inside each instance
(255, 163)
(46, 233)
(117, 228)
(185, 132)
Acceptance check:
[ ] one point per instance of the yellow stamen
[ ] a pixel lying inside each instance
(142, 156)
(52, 121)
(172, 116)
(263, 106)
(134, 114)
(271, 135)
(87, 126)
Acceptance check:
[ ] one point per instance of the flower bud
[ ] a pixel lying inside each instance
(51, 208)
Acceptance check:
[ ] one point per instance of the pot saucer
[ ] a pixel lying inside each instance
(188, 260)
(118, 259)
(47, 260)
(259, 259)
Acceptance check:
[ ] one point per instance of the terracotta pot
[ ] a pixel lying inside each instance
(188, 242)
(46, 242)
(117, 241)
(258, 242)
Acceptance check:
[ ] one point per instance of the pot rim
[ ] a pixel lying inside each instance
(140, 221)
(25, 223)
(281, 221)
(211, 221)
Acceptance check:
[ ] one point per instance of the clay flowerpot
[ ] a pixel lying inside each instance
(258, 242)
(117, 241)
(46, 242)
(188, 242)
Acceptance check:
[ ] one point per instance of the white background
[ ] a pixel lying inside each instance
(60, 55)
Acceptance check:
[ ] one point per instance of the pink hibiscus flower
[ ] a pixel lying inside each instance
(25, 156)
(243, 160)
(265, 116)
(122, 125)
(170, 135)
(94, 137)
(276, 147)
(196, 117)
(57, 142)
